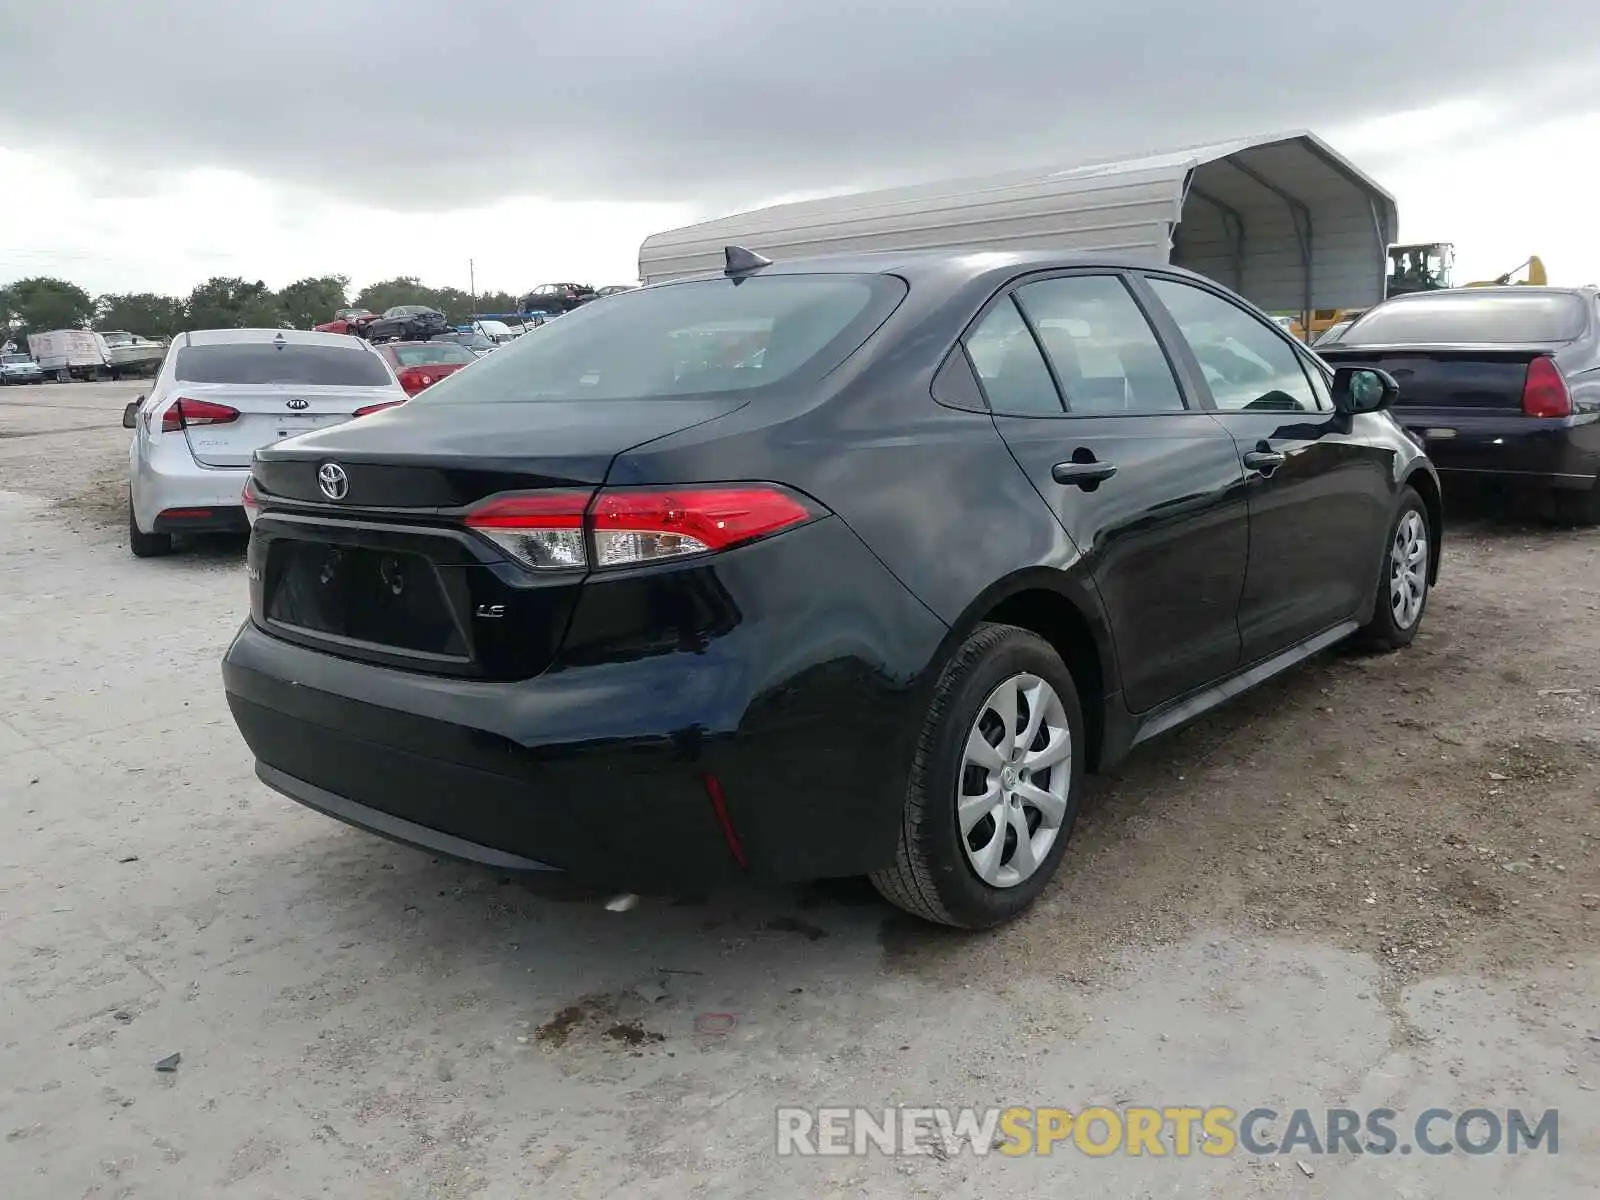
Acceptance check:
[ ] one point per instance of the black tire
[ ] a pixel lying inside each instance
(1384, 631)
(1577, 508)
(932, 877)
(146, 545)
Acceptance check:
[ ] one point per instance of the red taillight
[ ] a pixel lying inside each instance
(414, 379)
(1545, 393)
(643, 526)
(196, 412)
(251, 501)
(540, 529)
(629, 526)
(372, 408)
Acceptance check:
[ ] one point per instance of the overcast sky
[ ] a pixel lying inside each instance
(145, 146)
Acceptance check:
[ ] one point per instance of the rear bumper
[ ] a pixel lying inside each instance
(633, 813)
(1544, 452)
(174, 494)
(375, 820)
(795, 733)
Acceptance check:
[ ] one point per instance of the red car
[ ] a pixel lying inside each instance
(421, 364)
(348, 320)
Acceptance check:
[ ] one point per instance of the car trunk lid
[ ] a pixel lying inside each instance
(266, 413)
(1474, 377)
(379, 564)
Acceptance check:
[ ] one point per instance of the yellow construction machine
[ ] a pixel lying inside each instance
(1419, 267)
(1536, 275)
(1426, 267)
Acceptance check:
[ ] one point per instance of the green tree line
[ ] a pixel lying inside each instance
(41, 303)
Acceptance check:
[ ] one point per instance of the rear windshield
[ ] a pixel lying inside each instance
(685, 339)
(434, 352)
(473, 341)
(264, 363)
(15, 358)
(1470, 316)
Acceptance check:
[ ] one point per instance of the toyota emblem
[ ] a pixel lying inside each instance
(335, 484)
(297, 405)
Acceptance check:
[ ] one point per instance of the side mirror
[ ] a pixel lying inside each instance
(1363, 390)
(130, 414)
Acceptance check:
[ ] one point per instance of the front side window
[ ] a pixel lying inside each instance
(1104, 353)
(1009, 365)
(1247, 364)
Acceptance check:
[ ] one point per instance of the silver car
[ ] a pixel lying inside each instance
(220, 394)
(19, 368)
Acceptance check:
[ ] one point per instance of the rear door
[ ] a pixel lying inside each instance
(244, 395)
(1149, 488)
(1321, 493)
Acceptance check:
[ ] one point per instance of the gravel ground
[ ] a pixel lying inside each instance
(1373, 882)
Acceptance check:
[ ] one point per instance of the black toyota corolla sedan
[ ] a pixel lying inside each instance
(845, 566)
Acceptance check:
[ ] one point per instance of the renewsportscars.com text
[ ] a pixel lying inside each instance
(1176, 1131)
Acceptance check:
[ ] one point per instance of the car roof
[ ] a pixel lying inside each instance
(1499, 289)
(242, 337)
(951, 267)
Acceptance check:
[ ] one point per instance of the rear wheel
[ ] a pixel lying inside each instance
(145, 545)
(994, 787)
(1577, 508)
(1403, 582)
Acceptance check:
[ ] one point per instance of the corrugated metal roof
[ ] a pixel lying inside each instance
(1283, 218)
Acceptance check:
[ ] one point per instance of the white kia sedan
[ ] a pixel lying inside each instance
(219, 395)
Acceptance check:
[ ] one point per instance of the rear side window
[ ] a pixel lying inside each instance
(684, 339)
(1471, 316)
(1103, 350)
(247, 363)
(1009, 364)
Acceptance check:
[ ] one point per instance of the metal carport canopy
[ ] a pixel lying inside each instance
(1283, 218)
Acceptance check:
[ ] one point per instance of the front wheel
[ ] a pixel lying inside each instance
(994, 786)
(1403, 582)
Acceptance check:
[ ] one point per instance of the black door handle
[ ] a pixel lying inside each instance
(1265, 461)
(1083, 474)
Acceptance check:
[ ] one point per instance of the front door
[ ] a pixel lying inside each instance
(1149, 489)
(1319, 493)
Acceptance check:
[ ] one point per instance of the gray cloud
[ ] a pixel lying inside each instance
(719, 102)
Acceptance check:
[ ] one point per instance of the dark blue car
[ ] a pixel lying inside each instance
(1501, 383)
